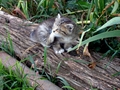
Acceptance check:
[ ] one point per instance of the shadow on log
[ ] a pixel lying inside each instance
(73, 68)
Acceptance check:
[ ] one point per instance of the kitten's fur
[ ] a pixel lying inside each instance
(61, 28)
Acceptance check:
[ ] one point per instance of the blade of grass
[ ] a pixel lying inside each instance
(39, 5)
(68, 87)
(112, 57)
(9, 40)
(115, 33)
(33, 62)
(58, 67)
(101, 4)
(25, 8)
(116, 6)
(116, 74)
(45, 56)
(88, 15)
(113, 21)
(63, 81)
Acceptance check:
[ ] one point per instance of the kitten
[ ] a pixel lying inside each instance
(56, 31)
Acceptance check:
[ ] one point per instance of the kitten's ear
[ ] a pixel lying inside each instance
(70, 27)
(58, 17)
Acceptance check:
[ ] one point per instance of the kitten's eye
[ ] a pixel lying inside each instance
(55, 30)
(70, 27)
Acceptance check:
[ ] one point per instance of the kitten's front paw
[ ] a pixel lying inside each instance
(51, 39)
(60, 51)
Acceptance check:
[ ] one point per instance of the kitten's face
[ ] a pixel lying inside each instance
(62, 27)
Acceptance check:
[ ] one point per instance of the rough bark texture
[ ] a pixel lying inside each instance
(73, 68)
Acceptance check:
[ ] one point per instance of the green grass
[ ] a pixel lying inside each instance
(13, 80)
(7, 45)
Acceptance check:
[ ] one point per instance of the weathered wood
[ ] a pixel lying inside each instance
(76, 73)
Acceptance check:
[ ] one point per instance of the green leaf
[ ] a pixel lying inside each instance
(45, 56)
(111, 59)
(63, 81)
(58, 67)
(115, 33)
(1, 82)
(116, 74)
(84, 4)
(101, 4)
(31, 59)
(116, 5)
(113, 21)
(41, 2)
(68, 87)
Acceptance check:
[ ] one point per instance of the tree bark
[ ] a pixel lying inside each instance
(72, 68)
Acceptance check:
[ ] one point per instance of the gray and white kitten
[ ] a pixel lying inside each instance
(60, 28)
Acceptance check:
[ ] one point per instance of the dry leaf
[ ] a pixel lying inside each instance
(5, 10)
(86, 51)
(92, 65)
(56, 5)
(81, 31)
(17, 12)
(77, 50)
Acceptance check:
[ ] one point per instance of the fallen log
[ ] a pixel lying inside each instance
(73, 68)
